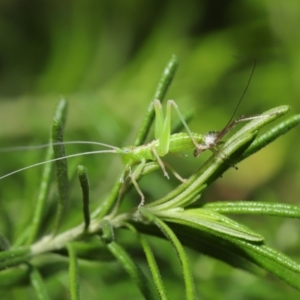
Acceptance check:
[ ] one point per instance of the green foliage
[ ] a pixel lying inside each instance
(106, 57)
(64, 232)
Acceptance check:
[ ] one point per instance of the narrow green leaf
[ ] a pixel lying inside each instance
(161, 90)
(236, 252)
(182, 196)
(187, 273)
(136, 274)
(47, 265)
(35, 226)
(206, 243)
(85, 188)
(150, 167)
(256, 208)
(61, 111)
(61, 165)
(210, 222)
(12, 277)
(151, 263)
(270, 254)
(275, 262)
(38, 284)
(73, 273)
(13, 257)
(272, 135)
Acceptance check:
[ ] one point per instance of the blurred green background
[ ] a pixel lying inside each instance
(106, 58)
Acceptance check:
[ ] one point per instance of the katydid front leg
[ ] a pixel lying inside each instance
(134, 175)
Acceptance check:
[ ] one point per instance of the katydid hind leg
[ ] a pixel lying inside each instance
(159, 118)
(176, 175)
(163, 132)
(162, 128)
(172, 102)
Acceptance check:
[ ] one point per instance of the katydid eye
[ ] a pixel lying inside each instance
(126, 151)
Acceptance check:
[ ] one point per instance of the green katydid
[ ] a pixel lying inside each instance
(164, 143)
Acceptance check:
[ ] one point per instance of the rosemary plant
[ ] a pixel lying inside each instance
(180, 218)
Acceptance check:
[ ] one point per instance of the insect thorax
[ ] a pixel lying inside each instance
(132, 155)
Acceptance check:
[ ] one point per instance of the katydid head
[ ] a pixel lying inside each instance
(127, 155)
